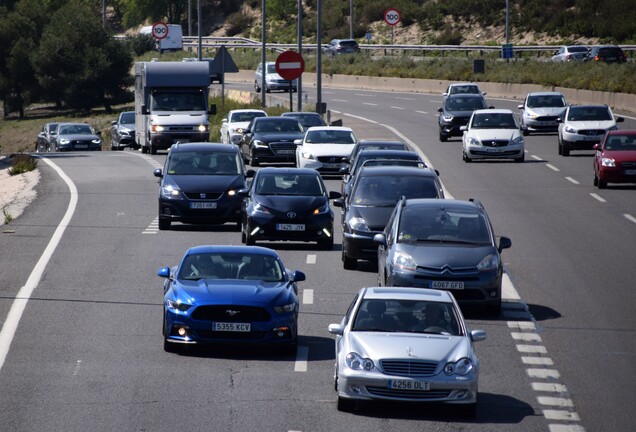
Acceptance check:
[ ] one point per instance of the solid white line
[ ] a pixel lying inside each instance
(570, 179)
(422, 112)
(308, 296)
(536, 158)
(311, 259)
(369, 103)
(566, 428)
(598, 197)
(339, 100)
(552, 167)
(19, 304)
(301, 359)
(406, 99)
(630, 217)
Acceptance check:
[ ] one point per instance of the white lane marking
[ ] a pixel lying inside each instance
(365, 95)
(422, 112)
(543, 373)
(308, 296)
(397, 107)
(536, 157)
(404, 98)
(302, 354)
(78, 366)
(508, 291)
(552, 167)
(339, 100)
(566, 428)
(549, 387)
(369, 103)
(598, 197)
(571, 180)
(630, 217)
(537, 361)
(526, 337)
(561, 415)
(311, 259)
(532, 349)
(153, 228)
(555, 401)
(19, 303)
(522, 325)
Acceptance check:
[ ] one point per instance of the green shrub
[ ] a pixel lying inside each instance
(22, 163)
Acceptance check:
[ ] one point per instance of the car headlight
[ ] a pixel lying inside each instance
(570, 129)
(489, 262)
(307, 155)
(156, 128)
(356, 362)
(203, 128)
(473, 141)
(63, 141)
(285, 308)
(170, 192)
(608, 162)
(124, 133)
(404, 261)
(322, 209)
(231, 192)
(358, 224)
(96, 141)
(461, 367)
(517, 141)
(613, 128)
(259, 144)
(530, 114)
(260, 208)
(447, 118)
(177, 305)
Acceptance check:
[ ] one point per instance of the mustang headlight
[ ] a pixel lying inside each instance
(404, 262)
(259, 144)
(322, 209)
(461, 367)
(177, 305)
(170, 192)
(608, 162)
(260, 208)
(285, 308)
(356, 362)
(490, 262)
(358, 224)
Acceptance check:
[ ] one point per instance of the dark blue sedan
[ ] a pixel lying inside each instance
(230, 294)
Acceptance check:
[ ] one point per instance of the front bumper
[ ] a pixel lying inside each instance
(225, 210)
(164, 141)
(316, 228)
(504, 152)
(360, 245)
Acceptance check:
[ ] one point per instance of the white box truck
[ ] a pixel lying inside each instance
(171, 104)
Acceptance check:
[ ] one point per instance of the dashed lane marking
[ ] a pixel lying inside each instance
(311, 259)
(552, 167)
(308, 296)
(598, 197)
(571, 180)
(630, 217)
(302, 354)
(153, 228)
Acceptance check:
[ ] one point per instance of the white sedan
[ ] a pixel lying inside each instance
(232, 126)
(406, 344)
(493, 134)
(324, 147)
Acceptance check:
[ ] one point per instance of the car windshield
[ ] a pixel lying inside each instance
(330, 136)
(589, 113)
(364, 157)
(494, 121)
(472, 89)
(426, 224)
(245, 116)
(204, 163)
(79, 129)
(621, 143)
(349, 43)
(178, 101)
(386, 190)
(408, 316)
(545, 102)
(128, 118)
(278, 126)
(577, 49)
(231, 266)
(271, 68)
(464, 104)
(308, 120)
(289, 184)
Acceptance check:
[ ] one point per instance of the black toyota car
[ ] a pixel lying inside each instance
(271, 139)
(455, 113)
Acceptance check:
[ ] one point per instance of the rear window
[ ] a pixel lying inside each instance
(610, 52)
(349, 43)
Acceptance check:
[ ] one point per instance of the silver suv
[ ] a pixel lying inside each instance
(582, 126)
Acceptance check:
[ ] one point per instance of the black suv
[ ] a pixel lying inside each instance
(271, 139)
(199, 184)
(607, 54)
(455, 113)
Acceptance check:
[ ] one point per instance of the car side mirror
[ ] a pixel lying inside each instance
(224, 120)
(250, 173)
(520, 106)
(243, 193)
(334, 195)
(344, 170)
(440, 110)
(504, 243)
(164, 272)
(298, 276)
(619, 119)
(380, 239)
(114, 122)
(597, 146)
(298, 141)
(336, 329)
(463, 128)
(477, 335)
(338, 203)
(98, 133)
(158, 172)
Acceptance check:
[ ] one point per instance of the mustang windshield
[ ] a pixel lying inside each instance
(231, 266)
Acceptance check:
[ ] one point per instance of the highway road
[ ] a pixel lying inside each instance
(81, 345)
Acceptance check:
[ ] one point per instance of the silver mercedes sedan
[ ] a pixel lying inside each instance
(405, 344)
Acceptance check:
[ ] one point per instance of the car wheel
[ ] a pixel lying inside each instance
(253, 161)
(326, 244)
(565, 149)
(595, 180)
(243, 233)
(602, 184)
(170, 347)
(465, 157)
(267, 90)
(153, 149)
(494, 310)
(257, 89)
(521, 159)
(525, 132)
(348, 263)
(346, 405)
(164, 224)
(144, 149)
(249, 238)
(442, 137)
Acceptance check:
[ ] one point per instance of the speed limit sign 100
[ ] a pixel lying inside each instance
(159, 30)
(391, 16)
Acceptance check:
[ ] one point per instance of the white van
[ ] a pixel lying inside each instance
(172, 42)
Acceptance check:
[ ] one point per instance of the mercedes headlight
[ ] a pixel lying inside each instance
(356, 362)
(259, 144)
(473, 141)
(517, 141)
(461, 367)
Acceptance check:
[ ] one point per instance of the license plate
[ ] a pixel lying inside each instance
(409, 385)
(203, 205)
(591, 138)
(286, 152)
(630, 172)
(231, 327)
(81, 146)
(331, 165)
(290, 227)
(447, 285)
(493, 150)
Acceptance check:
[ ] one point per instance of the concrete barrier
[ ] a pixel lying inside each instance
(618, 101)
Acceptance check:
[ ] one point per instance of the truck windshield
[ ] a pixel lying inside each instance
(178, 101)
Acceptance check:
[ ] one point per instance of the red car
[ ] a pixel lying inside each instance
(615, 158)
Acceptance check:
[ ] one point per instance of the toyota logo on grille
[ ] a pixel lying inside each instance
(231, 312)
(291, 215)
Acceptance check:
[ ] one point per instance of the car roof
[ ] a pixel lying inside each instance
(201, 146)
(231, 249)
(364, 142)
(299, 113)
(243, 110)
(282, 170)
(545, 93)
(444, 203)
(623, 132)
(389, 152)
(587, 106)
(274, 118)
(384, 170)
(465, 95)
(463, 84)
(341, 128)
(406, 293)
(493, 111)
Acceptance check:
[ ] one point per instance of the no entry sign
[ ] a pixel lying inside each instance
(290, 65)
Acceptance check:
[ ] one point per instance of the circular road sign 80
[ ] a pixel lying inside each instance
(159, 30)
(392, 16)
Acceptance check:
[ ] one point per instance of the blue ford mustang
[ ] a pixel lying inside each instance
(230, 294)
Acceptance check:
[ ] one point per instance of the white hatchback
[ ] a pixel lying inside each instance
(493, 134)
(236, 121)
(324, 147)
